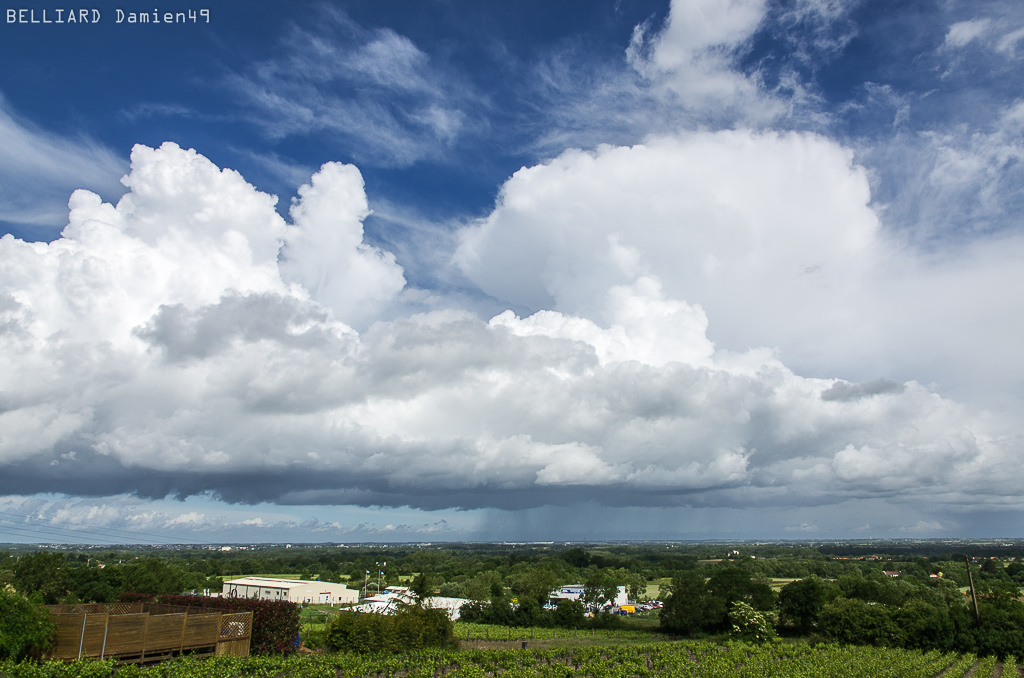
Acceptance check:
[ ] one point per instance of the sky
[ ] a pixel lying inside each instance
(355, 271)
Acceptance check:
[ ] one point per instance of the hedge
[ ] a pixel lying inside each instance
(275, 623)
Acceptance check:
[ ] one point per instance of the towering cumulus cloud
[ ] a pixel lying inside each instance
(325, 253)
(190, 340)
(772, 234)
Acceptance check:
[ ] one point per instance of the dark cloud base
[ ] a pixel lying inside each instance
(95, 475)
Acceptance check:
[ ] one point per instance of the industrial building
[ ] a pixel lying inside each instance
(575, 592)
(389, 600)
(291, 590)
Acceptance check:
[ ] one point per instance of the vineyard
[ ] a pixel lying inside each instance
(466, 631)
(692, 659)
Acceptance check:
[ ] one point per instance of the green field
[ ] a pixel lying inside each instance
(693, 659)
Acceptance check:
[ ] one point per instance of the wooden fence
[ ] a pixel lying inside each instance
(146, 632)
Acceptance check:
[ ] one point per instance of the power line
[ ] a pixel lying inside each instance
(18, 531)
(85, 528)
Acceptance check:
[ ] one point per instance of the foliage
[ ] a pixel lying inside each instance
(749, 624)
(466, 630)
(927, 612)
(731, 584)
(158, 576)
(535, 583)
(856, 622)
(568, 613)
(801, 602)
(422, 586)
(691, 606)
(26, 630)
(42, 576)
(275, 623)
(410, 628)
(696, 659)
(599, 590)
(925, 626)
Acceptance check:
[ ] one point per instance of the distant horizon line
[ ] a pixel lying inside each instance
(546, 542)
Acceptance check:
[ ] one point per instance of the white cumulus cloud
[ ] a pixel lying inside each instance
(166, 346)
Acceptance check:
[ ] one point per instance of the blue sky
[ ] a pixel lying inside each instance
(352, 271)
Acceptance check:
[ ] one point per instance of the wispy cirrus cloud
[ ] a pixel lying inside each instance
(39, 169)
(373, 91)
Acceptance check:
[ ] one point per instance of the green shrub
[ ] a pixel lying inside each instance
(409, 628)
(26, 630)
(749, 624)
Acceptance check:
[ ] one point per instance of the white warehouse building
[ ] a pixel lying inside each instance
(291, 590)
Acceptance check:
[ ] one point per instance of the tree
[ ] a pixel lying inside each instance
(576, 557)
(857, 622)
(732, 584)
(691, 606)
(422, 586)
(636, 586)
(484, 586)
(598, 590)
(155, 575)
(924, 626)
(1015, 571)
(991, 567)
(26, 630)
(41, 575)
(801, 602)
(452, 589)
(568, 613)
(6, 568)
(91, 584)
(535, 583)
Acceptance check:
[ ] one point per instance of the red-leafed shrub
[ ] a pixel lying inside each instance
(275, 624)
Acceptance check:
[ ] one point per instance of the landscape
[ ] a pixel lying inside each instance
(610, 338)
(902, 608)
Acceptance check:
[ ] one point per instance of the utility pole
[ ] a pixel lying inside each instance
(974, 594)
(379, 573)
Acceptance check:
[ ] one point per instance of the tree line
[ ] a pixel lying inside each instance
(840, 591)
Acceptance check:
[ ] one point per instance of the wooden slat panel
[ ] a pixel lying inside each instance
(146, 637)
(233, 648)
(201, 630)
(95, 627)
(125, 633)
(164, 632)
(69, 632)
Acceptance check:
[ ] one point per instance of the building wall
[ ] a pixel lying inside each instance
(291, 590)
(575, 592)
